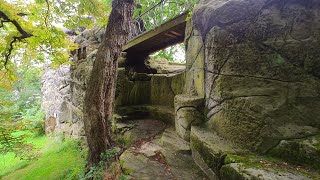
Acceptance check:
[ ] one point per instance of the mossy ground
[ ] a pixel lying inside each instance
(300, 152)
(267, 162)
(57, 159)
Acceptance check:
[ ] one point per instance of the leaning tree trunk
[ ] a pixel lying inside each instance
(98, 101)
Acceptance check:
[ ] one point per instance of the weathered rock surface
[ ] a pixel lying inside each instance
(163, 66)
(299, 151)
(240, 171)
(157, 89)
(256, 65)
(261, 69)
(139, 129)
(148, 97)
(63, 89)
(163, 113)
(220, 159)
(194, 62)
(55, 97)
(209, 150)
(189, 111)
(165, 157)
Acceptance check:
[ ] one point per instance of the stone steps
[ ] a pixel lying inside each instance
(219, 159)
(166, 156)
(163, 113)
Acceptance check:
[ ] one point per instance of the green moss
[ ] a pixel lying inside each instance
(264, 162)
(279, 59)
(124, 140)
(126, 171)
(299, 153)
(232, 158)
(139, 94)
(213, 160)
(228, 172)
(317, 145)
(248, 161)
(123, 177)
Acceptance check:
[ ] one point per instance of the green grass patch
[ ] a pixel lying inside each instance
(10, 162)
(58, 159)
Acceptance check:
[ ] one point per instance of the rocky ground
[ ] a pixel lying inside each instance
(154, 151)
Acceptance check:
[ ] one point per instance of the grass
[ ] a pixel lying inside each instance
(58, 159)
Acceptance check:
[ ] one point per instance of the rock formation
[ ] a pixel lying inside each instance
(261, 70)
(246, 105)
(63, 89)
(261, 82)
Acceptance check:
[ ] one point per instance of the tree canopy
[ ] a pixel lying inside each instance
(33, 33)
(36, 30)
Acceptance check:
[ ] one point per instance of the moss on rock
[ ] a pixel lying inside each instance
(304, 151)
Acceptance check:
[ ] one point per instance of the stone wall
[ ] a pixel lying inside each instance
(55, 95)
(262, 69)
(256, 63)
(64, 88)
(150, 95)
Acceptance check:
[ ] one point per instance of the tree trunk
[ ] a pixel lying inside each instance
(99, 98)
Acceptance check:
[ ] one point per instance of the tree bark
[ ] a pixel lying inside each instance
(99, 98)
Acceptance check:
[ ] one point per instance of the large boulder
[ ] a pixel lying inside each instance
(261, 68)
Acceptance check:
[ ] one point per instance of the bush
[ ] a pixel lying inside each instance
(97, 172)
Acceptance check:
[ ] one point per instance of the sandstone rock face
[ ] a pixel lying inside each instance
(148, 97)
(261, 69)
(188, 111)
(64, 88)
(55, 96)
(299, 151)
(194, 62)
(240, 171)
(89, 42)
(143, 95)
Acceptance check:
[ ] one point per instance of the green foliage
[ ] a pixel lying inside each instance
(50, 164)
(173, 54)
(167, 10)
(20, 110)
(44, 19)
(123, 177)
(161, 14)
(9, 142)
(97, 172)
(9, 162)
(108, 154)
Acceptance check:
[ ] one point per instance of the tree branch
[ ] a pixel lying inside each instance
(47, 14)
(24, 34)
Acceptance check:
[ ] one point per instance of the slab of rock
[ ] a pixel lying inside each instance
(160, 112)
(170, 139)
(220, 159)
(304, 151)
(138, 166)
(139, 130)
(163, 66)
(209, 150)
(161, 158)
(261, 69)
(189, 112)
(240, 171)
